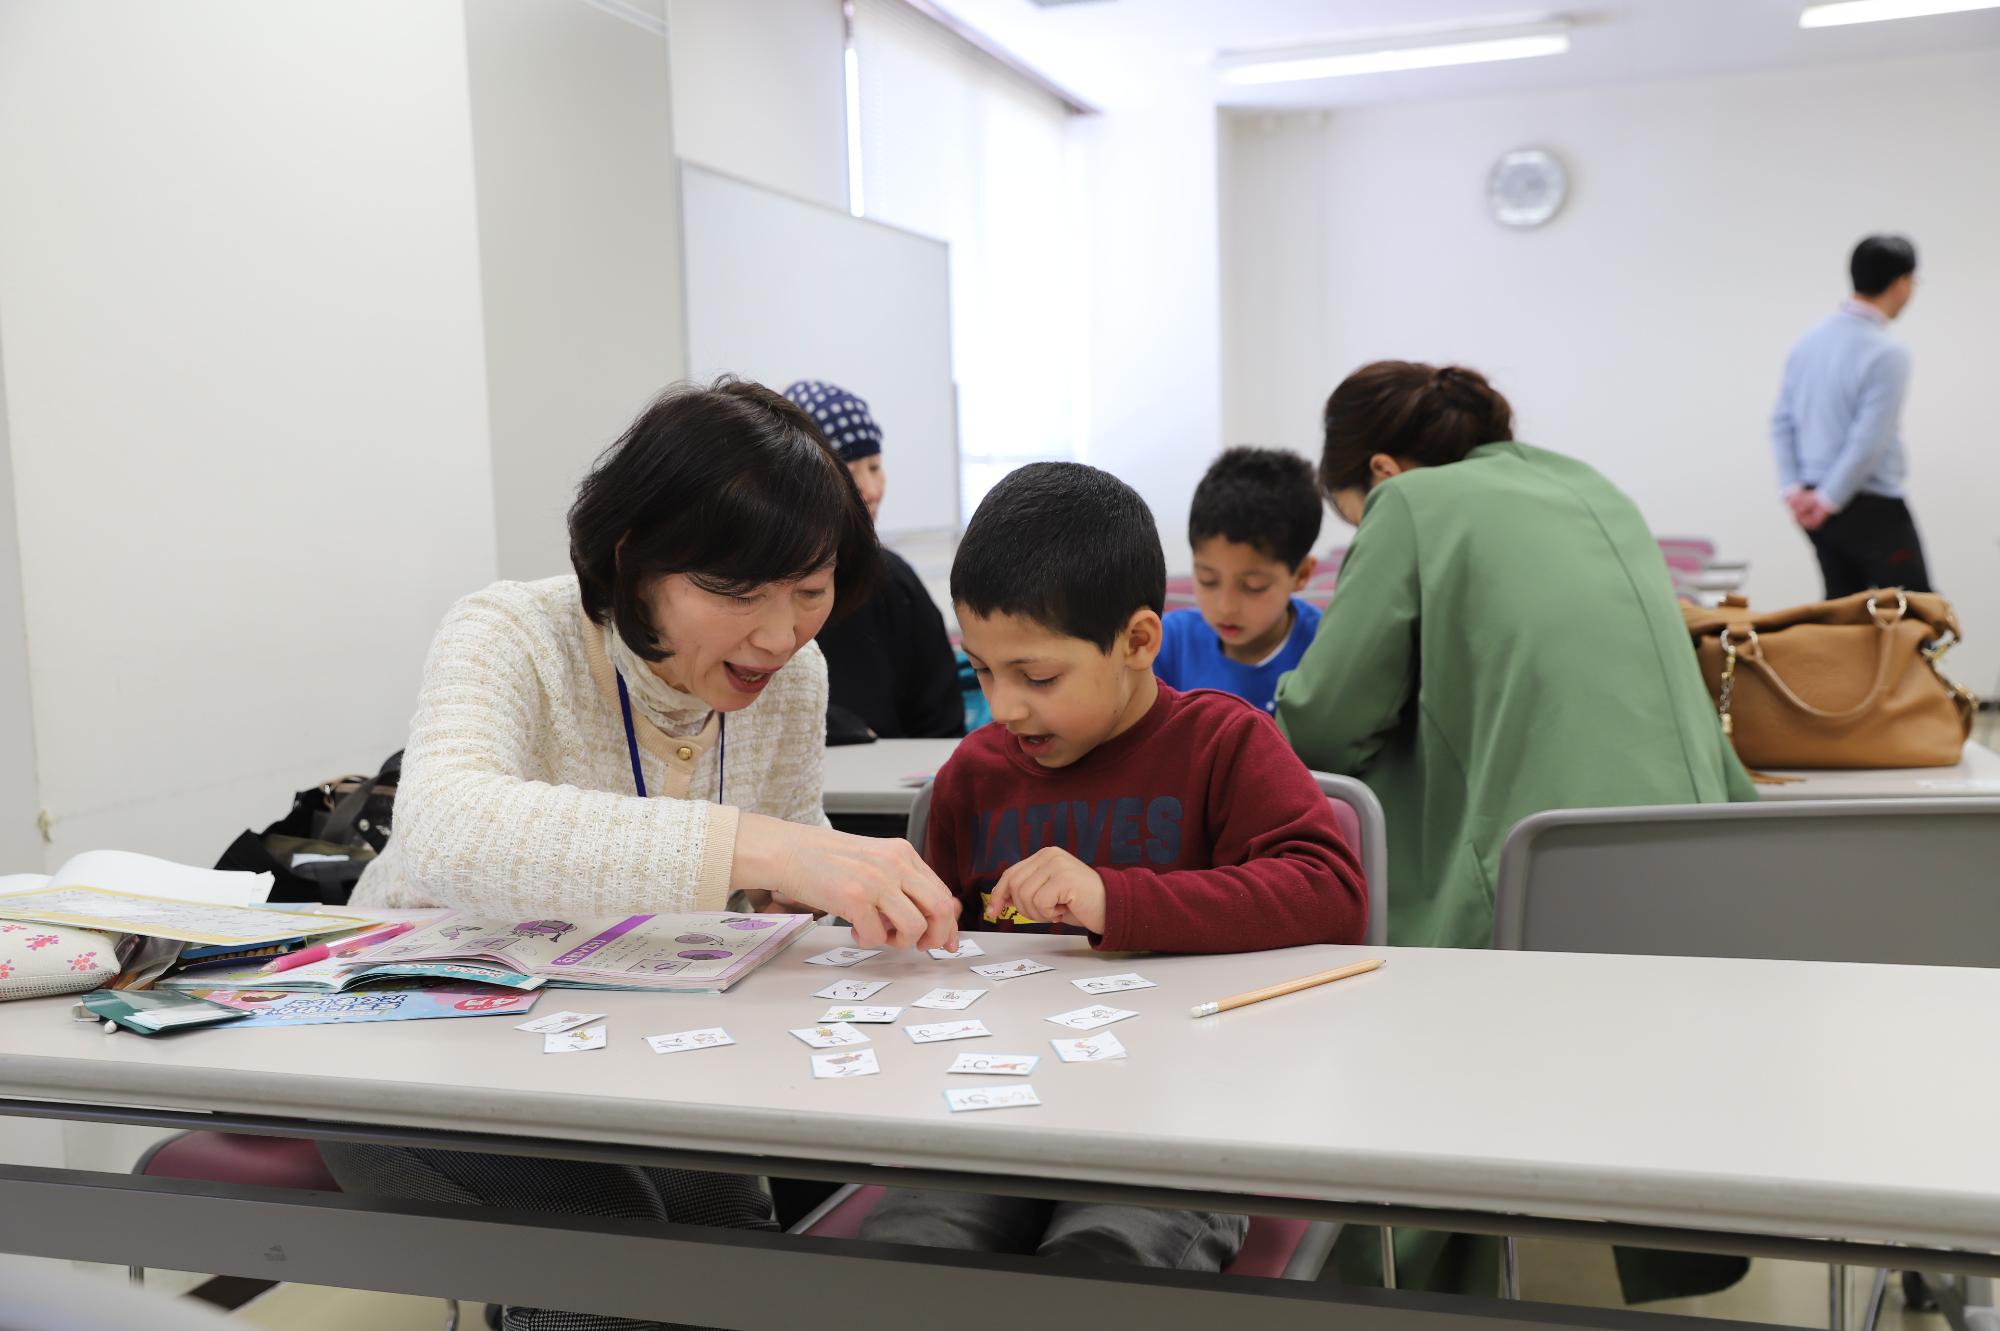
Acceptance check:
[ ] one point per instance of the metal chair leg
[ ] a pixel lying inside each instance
(451, 1315)
(1388, 1258)
(1872, 1312)
(1510, 1270)
(1836, 1298)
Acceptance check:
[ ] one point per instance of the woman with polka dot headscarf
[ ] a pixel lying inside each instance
(889, 664)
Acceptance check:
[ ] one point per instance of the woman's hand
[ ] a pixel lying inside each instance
(879, 885)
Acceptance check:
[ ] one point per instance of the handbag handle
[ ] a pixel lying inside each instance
(1883, 670)
(340, 822)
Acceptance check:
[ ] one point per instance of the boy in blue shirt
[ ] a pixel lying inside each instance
(1254, 519)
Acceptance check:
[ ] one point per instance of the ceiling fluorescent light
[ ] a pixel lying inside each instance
(1842, 12)
(1390, 55)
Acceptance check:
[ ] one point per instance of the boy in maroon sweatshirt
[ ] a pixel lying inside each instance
(1102, 800)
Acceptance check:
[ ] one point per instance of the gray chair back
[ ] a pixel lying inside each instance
(1895, 881)
(1373, 850)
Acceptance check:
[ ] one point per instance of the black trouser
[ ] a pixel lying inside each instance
(1871, 543)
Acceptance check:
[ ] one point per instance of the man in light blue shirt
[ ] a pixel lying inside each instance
(1837, 435)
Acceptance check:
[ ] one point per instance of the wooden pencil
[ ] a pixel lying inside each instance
(1288, 987)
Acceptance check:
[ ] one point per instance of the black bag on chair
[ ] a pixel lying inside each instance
(346, 819)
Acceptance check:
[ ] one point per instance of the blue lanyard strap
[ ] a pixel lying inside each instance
(631, 735)
(632, 743)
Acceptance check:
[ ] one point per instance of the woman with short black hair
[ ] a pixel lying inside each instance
(645, 736)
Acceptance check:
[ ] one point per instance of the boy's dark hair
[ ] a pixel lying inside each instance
(1068, 546)
(729, 484)
(1260, 497)
(1878, 262)
(1425, 414)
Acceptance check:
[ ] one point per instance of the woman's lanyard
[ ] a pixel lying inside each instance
(632, 742)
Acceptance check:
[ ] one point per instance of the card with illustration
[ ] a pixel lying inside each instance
(851, 991)
(1113, 984)
(995, 1065)
(843, 956)
(966, 948)
(833, 1035)
(1099, 1048)
(1090, 1018)
(946, 1030)
(950, 999)
(991, 1097)
(574, 1042)
(1011, 970)
(864, 1015)
(558, 1022)
(708, 1037)
(856, 1063)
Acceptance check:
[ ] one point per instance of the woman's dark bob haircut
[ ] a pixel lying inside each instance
(729, 485)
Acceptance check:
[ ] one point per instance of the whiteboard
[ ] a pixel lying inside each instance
(779, 290)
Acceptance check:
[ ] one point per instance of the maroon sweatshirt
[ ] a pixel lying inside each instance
(1208, 831)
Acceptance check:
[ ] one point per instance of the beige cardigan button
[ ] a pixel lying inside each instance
(684, 753)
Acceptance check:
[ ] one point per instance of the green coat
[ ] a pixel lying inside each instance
(1504, 639)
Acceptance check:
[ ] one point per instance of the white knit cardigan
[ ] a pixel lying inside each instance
(517, 794)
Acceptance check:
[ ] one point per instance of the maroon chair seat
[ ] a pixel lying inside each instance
(1268, 1251)
(234, 1157)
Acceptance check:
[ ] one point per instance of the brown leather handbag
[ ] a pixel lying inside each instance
(1847, 683)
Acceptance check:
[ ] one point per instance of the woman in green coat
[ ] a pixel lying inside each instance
(1504, 640)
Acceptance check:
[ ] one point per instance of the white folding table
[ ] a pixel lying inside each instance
(1656, 1101)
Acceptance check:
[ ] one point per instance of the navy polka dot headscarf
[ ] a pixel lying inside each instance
(843, 418)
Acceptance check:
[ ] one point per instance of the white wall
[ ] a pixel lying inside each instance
(246, 397)
(759, 92)
(1152, 405)
(20, 788)
(1645, 328)
(579, 244)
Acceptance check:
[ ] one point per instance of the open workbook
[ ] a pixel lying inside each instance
(117, 892)
(699, 952)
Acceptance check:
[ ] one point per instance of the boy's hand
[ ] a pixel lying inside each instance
(1052, 886)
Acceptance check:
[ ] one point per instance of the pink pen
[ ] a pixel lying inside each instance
(321, 951)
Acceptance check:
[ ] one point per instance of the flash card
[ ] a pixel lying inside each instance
(1099, 1048)
(1011, 970)
(991, 1097)
(574, 1042)
(952, 999)
(843, 956)
(856, 1063)
(709, 1037)
(558, 1022)
(1113, 984)
(995, 1065)
(852, 991)
(966, 948)
(946, 1030)
(1090, 1018)
(831, 1036)
(861, 1014)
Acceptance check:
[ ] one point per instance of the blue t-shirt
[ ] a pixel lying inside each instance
(1191, 656)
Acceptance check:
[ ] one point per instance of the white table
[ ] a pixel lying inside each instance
(869, 778)
(1654, 1100)
(1977, 773)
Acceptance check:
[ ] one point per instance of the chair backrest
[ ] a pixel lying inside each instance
(1354, 807)
(920, 817)
(1900, 881)
(1362, 822)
